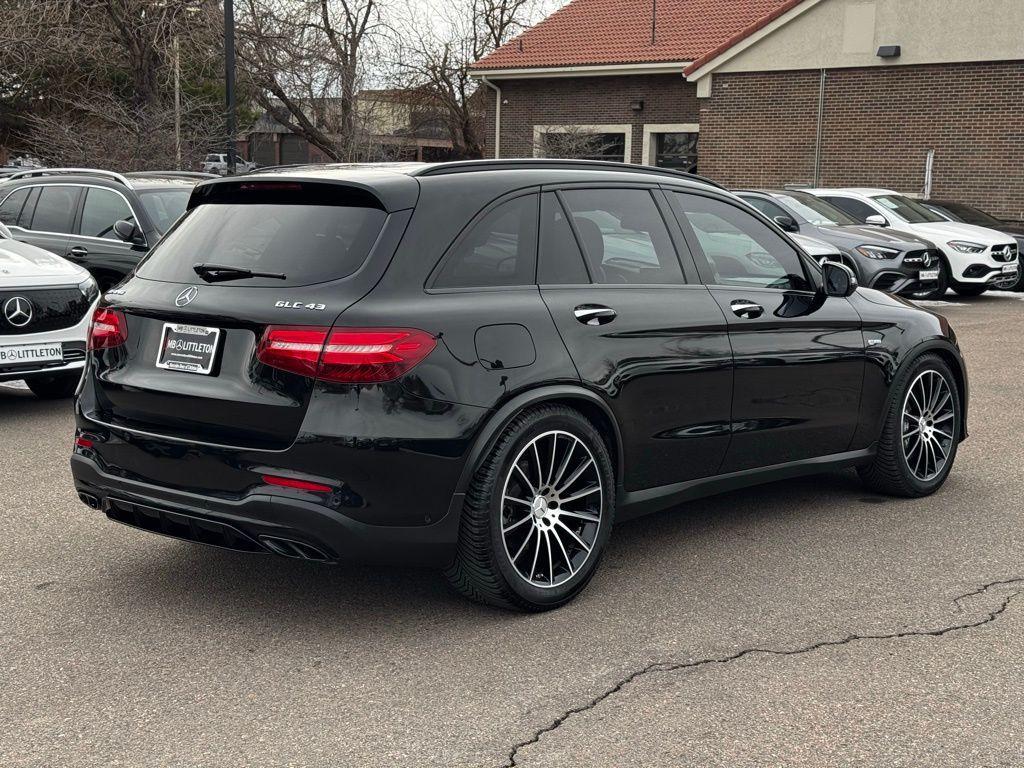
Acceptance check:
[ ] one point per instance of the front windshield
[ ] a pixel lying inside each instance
(815, 210)
(164, 206)
(909, 210)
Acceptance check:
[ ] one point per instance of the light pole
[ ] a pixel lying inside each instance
(229, 79)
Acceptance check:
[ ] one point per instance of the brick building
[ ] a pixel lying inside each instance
(915, 95)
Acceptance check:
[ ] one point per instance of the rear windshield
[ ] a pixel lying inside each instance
(307, 243)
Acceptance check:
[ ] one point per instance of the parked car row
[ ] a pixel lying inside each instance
(972, 258)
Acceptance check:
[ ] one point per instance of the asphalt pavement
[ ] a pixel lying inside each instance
(807, 623)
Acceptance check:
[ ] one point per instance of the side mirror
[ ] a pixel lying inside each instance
(787, 223)
(837, 279)
(128, 231)
(877, 220)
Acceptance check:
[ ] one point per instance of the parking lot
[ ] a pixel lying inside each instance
(803, 623)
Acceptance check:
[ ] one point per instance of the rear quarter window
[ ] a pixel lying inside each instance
(310, 233)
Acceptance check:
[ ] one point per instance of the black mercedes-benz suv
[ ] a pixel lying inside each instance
(888, 260)
(481, 366)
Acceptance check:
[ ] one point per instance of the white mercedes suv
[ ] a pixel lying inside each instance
(45, 307)
(976, 258)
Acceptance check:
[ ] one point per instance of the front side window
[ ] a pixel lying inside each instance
(742, 250)
(103, 208)
(909, 210)
(55, 209)
(11, 208)
(767, 207)
(500, 249)
(164, 206)
(624, 238)
(855, 209)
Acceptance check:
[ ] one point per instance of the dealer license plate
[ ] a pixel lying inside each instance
(1010, 269)
(22, 354)
(928, 275)
(188, 348)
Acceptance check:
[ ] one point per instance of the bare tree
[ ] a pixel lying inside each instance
(304, 61)
(437, 56)
(89, 81)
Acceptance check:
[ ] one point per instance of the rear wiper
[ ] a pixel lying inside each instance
(215, 273)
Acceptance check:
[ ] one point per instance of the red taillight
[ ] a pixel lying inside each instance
(302, 485)
(108, 329)
(347, 355)
(292, 349)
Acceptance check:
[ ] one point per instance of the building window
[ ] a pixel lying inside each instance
(583, 142)
(671, 146)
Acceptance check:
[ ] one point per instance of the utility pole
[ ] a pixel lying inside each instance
(229, 79)
(177, 103)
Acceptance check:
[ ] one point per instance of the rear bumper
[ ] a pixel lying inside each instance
(265, 523)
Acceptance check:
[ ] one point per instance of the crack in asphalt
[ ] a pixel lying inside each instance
(662, 666)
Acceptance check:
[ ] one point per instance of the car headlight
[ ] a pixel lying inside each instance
(965, 246)
(877, 252)
(89, 289)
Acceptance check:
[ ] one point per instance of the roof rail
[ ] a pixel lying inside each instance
(71, 172)
(172, 174)
(466, 166)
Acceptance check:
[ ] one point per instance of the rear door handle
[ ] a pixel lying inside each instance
(746, 309)
(594, 314)
(78, 252)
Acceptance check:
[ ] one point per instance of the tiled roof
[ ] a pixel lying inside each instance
(619, 32)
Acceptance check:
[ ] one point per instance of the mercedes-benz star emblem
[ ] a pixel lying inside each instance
(18, 311)
(187, 296)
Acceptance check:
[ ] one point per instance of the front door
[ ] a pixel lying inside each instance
(651, 343)
(799, 356)
(96, 246)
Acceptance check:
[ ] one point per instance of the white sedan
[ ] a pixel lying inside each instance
(46, 304)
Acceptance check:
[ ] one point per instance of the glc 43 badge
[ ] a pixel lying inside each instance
(300, 305)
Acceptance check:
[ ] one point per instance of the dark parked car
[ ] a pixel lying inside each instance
(968, 214)
(75, 213)
(482, 366)
(890, 260)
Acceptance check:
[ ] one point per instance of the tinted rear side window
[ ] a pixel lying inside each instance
(624, 237)
(307, 243)
(55, 209)
(11, 208)
(500, 249)
(561, 261)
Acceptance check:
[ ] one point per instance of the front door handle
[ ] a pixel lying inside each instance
(747, 309)
(594, 314)
(78, 252)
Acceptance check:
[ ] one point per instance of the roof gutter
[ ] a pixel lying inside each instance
(497, 115)
(582, 70)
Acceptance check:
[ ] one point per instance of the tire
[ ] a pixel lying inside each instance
(486, 569)
(939, 291)
(897, 467)
(55, 387)
(970, 290)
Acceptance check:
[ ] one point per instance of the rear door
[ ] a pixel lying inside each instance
(95, 245)
(799, 356)
(641, 330)
(189, 368)
(47, 217)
